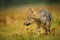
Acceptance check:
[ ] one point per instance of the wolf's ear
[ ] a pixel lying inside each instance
(31, 10)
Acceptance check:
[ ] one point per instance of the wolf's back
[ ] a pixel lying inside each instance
(45, 14)
(49, 15)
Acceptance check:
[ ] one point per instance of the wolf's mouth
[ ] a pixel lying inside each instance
(27, 24)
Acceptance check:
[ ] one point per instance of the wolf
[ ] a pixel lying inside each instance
(42, 17)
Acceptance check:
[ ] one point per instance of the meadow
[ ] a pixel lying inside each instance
(14, 28)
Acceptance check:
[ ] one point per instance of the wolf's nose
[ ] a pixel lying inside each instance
(28, 24)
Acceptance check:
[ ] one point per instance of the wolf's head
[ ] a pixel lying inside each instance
(32, 16)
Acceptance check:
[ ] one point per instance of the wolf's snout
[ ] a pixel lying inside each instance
(27, 24)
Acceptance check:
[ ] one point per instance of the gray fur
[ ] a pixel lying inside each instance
(44, 19)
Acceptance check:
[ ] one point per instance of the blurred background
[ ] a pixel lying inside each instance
(5, 3)
(13, 13)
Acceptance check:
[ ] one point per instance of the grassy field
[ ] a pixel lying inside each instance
(14, 29)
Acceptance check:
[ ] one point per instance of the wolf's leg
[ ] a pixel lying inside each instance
(38, 30)
(47, 27)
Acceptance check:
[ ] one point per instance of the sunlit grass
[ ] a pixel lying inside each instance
(18, 31)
